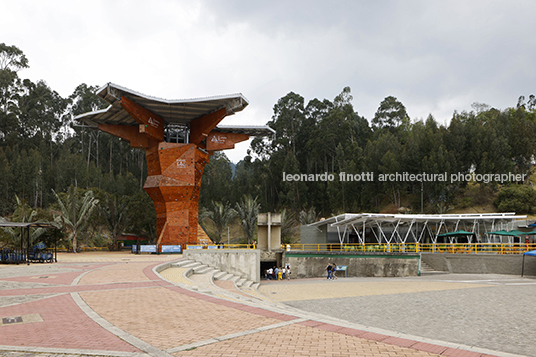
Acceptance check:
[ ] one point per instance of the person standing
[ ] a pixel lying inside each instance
(288, 271)
(328, 269)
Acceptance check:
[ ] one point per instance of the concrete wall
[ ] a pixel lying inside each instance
(313, 235)
(243, 262)
(313, 264)
(480, 264)
(275, 240)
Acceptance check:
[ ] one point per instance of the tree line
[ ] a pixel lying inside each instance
(324, 136)
(45, 154)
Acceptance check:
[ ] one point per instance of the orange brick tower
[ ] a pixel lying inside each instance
(178, 137)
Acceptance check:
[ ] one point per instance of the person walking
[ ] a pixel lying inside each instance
(328, 269)
(333, 271)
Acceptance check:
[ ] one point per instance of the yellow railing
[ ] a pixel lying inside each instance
(453, 248)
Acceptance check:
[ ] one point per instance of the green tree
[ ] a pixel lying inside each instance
(309, 216)
(25, 214)
(248, 210)
(12, 59)
(220, 216)
(289, 227)
(216, 181)
(516, 198)
(390, 114)
(113, 210)
(76, 211)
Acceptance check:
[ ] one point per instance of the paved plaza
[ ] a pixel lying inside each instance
(116, 304)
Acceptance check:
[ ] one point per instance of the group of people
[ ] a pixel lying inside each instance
(278, 273)
(332, 270)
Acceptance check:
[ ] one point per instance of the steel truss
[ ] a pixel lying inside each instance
(421, 228)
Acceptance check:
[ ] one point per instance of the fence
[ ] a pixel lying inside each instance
(12, 256)
(453, 248)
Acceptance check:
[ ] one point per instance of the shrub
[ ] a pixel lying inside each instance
(516, 198)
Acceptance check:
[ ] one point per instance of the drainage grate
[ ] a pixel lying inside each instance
(24, 319)
(11, 320)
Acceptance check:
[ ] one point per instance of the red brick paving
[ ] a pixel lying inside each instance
(64, 325)
(429, 347)
(451, 352)
(52, 278)
(75, 288)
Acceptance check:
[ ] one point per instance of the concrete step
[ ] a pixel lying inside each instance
(247, 284)
(191, 265)
(234, 278)
(219, 274)
(183, 262)
(202, 269)
(240, 282)
(425, 268)
(227, 276)
(255, 285)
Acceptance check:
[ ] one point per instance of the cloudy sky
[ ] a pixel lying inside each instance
(434, 56)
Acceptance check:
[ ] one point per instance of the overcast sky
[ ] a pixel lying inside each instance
(434, 56)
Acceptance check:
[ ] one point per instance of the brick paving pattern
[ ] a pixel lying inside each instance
(113, 304)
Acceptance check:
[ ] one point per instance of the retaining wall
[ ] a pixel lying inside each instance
(313, 264)
(245, 263)
(480, 264)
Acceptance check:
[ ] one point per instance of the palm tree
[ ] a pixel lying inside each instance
(289, 227)
(75, 212)
(220, 216)
(248, 210)
(309, 216)
(25, 214)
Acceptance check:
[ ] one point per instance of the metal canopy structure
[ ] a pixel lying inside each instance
(415, 228)
(24, 255)
(179, 111)
(28, 225)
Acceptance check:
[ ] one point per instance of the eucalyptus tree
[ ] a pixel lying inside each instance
(220, 216)
(217, 179)
(76, 210)
(12, 59)
(114, 211)
(390, 115)
(248, 210)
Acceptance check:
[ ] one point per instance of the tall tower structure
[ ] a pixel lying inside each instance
(178, 137)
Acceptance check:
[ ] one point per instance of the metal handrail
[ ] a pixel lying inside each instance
(452, 248)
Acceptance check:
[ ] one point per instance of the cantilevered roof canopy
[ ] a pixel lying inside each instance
(251, 130)
(180, 111)
(348, 219)
(28, 224)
